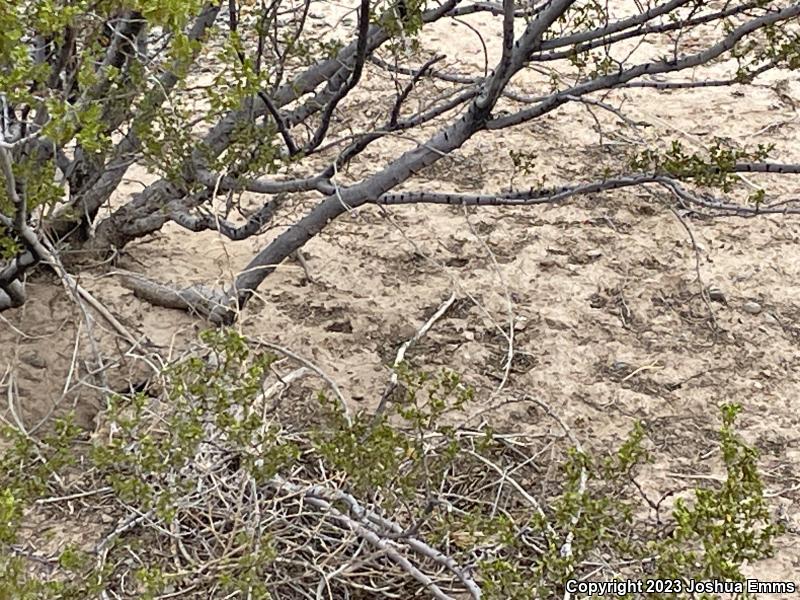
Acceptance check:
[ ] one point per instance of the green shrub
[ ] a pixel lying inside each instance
(213, 487)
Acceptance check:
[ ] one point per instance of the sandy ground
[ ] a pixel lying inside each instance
(602, 294)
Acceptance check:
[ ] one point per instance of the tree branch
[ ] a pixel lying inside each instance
(352, 81)
(254, 223)
(120, 227)
(665, 66)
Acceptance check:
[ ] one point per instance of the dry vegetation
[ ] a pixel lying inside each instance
(586, 355)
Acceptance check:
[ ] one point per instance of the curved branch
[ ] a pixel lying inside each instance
(226, 183)
(89, 195)
(519, 198)
(559, 194)
(626, 29)
(142, 216)
(352, 80)
(196, 299)
(253, 226)
(664, 66)
(728, 209)
(364, 524)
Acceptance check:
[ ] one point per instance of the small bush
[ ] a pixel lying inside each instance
(216, 486)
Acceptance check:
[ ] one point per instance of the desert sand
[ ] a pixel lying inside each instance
(602, 294)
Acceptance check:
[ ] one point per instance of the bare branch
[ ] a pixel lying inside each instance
(352, 81)
(503, 69)
(665, 66)
(265, 186)
(519, 198)
(255, 222)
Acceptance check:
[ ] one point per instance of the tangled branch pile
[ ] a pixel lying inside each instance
(218, 483)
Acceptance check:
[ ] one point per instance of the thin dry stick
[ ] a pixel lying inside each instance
(509, 304)
(126, 525)
(74, 361)
(767, 128)
(566, 549)
(703, 290)
(515, 484)
(74, 496)
(369, 517)
(105, 313)
(41, 248)
(653, 366)
(401, 352)
(284, 382)
(310, 365)
(17, 421)
(443, 269)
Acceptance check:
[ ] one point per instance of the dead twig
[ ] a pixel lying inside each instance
(404, 347)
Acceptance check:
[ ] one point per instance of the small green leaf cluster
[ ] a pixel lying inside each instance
(524, 162)
(400, 17)
(214, 391)
(27, 465)
(723, 527)
(236, 80)
(166, 142)
(713, 169)
(389, 456)
(172, 15)
(587, 517)
(28, 469)
(774, 44)
(707, 538)
(591, 63)
(581, 16)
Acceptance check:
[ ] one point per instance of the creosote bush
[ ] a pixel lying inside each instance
(218, 483)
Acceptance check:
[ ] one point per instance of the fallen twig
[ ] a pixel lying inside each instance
(404, 347)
